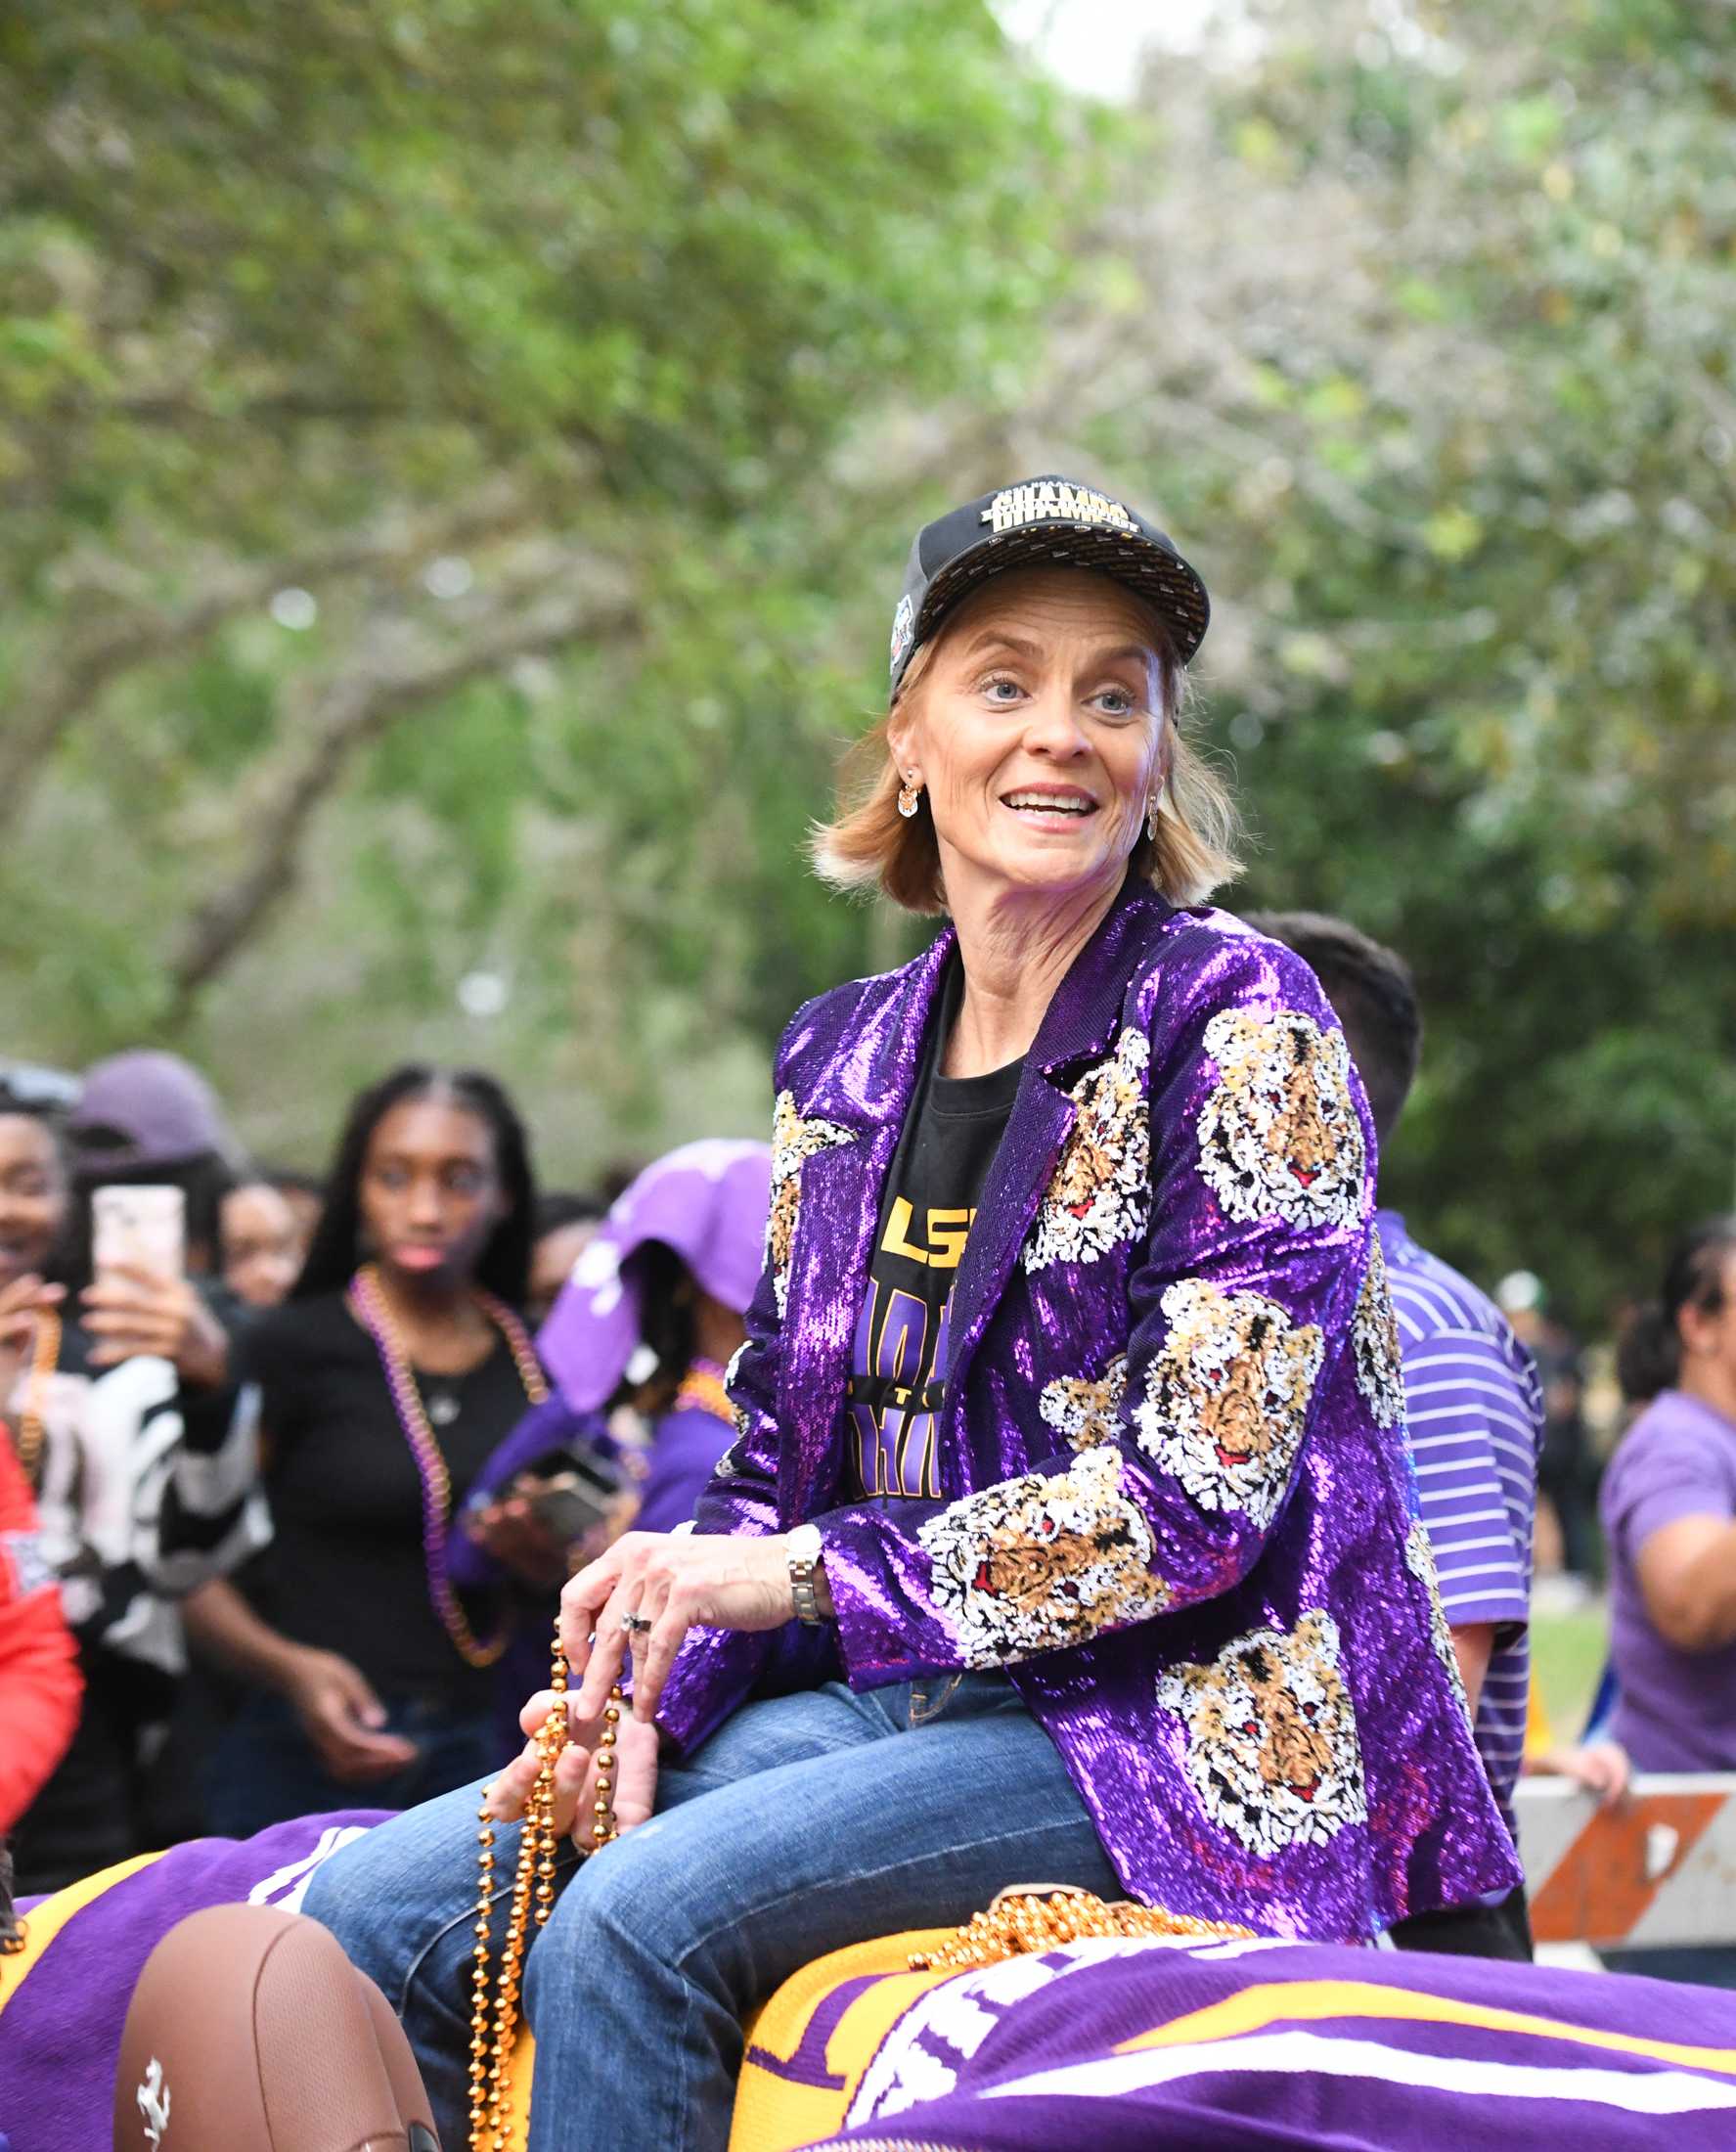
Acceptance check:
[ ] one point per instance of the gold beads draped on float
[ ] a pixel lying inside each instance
(1040, 1916)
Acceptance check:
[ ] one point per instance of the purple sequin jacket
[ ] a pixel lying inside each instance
(1179, 1505)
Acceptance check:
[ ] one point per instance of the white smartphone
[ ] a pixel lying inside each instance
(143, 1228)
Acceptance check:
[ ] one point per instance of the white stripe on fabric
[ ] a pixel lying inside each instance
(1510, 1605)
(1482, 1422)
(1478, 1344)
(208, 1483)
(178, 1574)
(1658, 2092)
(295, 1875)
(1503, 1471)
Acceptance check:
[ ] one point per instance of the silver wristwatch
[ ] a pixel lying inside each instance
(804, 1546)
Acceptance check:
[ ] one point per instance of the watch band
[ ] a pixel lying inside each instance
(804, 1551)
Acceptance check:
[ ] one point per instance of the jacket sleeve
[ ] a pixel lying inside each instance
(40, 1686)
(1170, 1470)
(716, 1667)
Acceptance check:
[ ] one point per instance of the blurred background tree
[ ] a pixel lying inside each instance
(457, 463)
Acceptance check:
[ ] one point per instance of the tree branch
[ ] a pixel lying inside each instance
(351, 712)
(47, 711)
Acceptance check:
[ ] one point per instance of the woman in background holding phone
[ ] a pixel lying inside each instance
(647, 1319)
(398, 1362)
(96, 1387)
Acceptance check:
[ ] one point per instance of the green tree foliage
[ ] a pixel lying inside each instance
(456, 461)
(1426, 346)
(417, 430)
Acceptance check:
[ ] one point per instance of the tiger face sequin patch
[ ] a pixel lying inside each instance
(1038, 1563)
(1272, 1749)
(794, 1141)
(1099, 1194)
(1375, 1350)
(1226, 1398)
(1082, 1413)
(1278, 1135)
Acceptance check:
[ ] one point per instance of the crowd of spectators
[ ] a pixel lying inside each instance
(268, 1549)
(285, 1525)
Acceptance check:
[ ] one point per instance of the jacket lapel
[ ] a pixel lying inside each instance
(862, 1090)
(1078, 1029)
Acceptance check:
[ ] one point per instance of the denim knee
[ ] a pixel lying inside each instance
(389, 1897)
(629, 1903)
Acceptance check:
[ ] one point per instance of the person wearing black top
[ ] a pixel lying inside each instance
(396, 1366)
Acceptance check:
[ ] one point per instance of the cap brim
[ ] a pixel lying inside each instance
(1152, 571)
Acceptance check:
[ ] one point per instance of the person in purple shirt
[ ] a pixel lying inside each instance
(1670, 1513)
(1669, 1504)
(1474, 1415)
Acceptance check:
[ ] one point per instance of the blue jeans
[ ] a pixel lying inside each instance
(805, 1824)
(265, 1771)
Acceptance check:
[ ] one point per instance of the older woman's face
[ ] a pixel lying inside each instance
(1037, 729)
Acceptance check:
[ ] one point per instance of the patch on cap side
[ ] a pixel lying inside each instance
(904, 628)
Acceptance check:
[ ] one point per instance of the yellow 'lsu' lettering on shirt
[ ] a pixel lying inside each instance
(945, 1233)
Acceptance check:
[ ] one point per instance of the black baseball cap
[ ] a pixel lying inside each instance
(1043, 523)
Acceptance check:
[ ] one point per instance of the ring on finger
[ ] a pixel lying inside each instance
(637, 1624)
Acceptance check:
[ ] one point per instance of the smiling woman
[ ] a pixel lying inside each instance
(1124, 642)
(1026, 1370)
(394, 1370)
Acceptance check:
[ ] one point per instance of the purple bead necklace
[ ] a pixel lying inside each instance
(367, 1302)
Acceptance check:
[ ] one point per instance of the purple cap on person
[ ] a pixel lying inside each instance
(709, 1201)
(145, 1109)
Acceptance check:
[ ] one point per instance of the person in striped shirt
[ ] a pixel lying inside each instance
(1474, 1410)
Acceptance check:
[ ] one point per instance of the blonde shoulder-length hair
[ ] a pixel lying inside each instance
(868, 846)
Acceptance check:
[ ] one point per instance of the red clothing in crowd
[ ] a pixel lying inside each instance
(40, 1684)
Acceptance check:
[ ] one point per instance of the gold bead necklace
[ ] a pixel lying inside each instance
(44, 1358)
(367, 1303)
(531, 1903)
(1040, 1916)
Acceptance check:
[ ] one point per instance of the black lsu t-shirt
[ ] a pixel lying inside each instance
(927, 1207)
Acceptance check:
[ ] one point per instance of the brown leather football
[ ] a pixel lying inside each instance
(249, 2031)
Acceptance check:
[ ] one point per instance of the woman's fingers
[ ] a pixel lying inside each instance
(27, 1296)
(603, 1668)
(607, 1658)
(510, 1795)
(662, 1647)
(653, 1596)
(536, 1708)
(505, 1799)
(583, 1598)
(636, 1773)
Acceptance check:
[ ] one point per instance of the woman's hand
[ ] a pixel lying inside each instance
(1602, 1767)
(130, 1312)
(511, 1531)
(635, 1789)
(676, 1580)
(342, 1715)
(22, 1302)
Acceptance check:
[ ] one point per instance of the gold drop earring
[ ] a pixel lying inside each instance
(909, 795)
(1151, 814)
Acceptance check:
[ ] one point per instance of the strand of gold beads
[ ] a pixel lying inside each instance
(532, 1901)
(1040, 1916)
